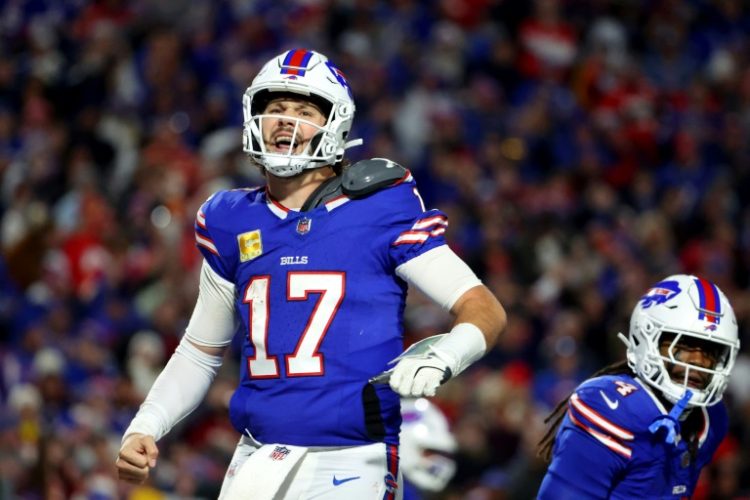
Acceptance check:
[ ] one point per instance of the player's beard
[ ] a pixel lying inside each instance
(696, 379)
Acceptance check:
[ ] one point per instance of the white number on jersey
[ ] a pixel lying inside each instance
(306, 360)
(624, 388)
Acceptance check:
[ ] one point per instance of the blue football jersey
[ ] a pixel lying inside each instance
(320, 308)
(604, 448)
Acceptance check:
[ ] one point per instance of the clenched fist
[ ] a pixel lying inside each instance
(137, 456)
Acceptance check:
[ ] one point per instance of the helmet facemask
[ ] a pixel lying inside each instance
(668, 326)
(316, 152)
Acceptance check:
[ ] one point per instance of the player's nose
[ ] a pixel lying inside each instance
(697, 357)
(285, 119)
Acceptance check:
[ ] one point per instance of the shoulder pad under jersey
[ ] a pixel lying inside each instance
(618, 398)
(328, 190)
(368, 176)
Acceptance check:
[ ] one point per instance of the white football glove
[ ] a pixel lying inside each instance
(422, 368)
(422, 375)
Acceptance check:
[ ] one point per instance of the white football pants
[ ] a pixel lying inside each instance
(369, 472)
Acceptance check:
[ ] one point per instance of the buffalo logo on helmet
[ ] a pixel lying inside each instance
(660, 293)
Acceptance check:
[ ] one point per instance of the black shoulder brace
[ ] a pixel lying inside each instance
(368, 176)
(362, 178)
(330, 189)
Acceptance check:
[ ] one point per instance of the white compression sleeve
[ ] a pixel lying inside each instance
(440, 274)
(177, 391)
(213, 321)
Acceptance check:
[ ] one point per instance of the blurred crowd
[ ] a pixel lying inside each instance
(583, 150)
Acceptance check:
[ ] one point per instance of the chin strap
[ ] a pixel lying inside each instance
(670, 422)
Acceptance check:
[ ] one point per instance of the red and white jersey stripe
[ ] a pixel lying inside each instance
(423, 229)
(598, 426)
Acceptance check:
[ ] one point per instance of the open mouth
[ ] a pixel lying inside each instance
(697, 382)
(694, 380)
(284, 144)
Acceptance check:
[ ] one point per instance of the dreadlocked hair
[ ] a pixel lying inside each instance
(556, 416)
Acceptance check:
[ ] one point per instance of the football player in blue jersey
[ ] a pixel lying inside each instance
(645, 427)
(314, 267)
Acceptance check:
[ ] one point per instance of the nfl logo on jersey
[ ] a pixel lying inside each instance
(250, 245)
(279, 453)
(303, 225)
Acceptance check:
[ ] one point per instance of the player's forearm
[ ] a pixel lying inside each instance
(446, 279)
(479, 307)
(178, 390)
(480, 319)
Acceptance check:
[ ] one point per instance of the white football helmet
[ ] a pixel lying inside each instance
(427, 445)
(310, 74)
(683, 306)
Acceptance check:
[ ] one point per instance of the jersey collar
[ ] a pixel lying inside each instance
(275, 207)
(282, 212)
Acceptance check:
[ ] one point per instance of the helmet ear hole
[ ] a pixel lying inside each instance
(345, 110)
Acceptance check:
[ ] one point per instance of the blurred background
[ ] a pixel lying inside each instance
(583, 149)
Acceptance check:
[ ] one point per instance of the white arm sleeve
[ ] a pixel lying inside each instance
(177, 391)
(440, 274)
(213, 321)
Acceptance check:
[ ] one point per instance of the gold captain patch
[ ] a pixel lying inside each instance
(250, 245)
